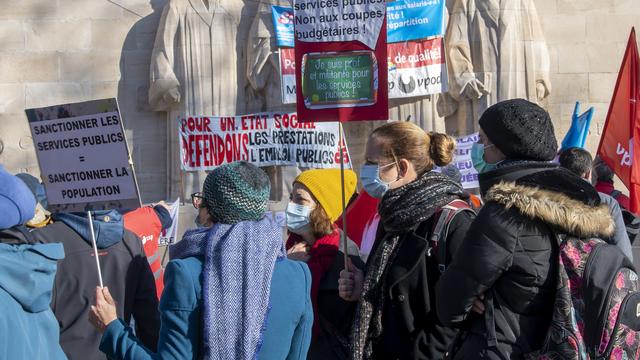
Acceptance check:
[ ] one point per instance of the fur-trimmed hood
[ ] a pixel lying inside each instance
(568, 215)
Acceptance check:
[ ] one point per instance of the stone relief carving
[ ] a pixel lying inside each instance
(496, 51)
(264, 92)
(193, 71)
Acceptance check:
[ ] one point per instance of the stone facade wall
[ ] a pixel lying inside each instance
(59, 51)
(586, 40)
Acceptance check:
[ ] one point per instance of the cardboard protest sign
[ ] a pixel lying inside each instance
(83, 155)
(463, 160)
(339, 20)
(414, 19)
(261, 139)
(417, 68)
(170, 236)
(283, 24)
(288, 75)
(341, 60)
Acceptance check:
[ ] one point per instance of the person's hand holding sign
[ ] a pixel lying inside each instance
(104, 311)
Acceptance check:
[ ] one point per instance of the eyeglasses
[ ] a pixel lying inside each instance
(197, 199)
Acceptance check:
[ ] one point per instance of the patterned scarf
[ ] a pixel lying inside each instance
(238, 266)
(401, 211)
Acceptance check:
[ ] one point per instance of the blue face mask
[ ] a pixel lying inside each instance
(477, 156)
(373, 185)
(297, 217)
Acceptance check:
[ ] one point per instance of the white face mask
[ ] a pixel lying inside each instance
(297, 217)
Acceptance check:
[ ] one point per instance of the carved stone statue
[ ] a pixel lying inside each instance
(264, 93)
(263, 70)
(193, 72)
(421, 111)
(495, 51)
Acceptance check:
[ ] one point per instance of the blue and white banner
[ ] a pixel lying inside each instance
(414, 19)
(462, 160)
(283, 23)
(406, 20)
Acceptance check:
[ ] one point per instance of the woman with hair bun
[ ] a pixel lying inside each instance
(395, 316)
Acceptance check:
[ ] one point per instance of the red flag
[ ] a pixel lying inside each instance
(621, 133)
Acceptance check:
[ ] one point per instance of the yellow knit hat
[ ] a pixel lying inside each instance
(324, 185)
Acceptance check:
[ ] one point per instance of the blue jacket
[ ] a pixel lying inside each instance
(29, 329)
(620, 237)
(287, 335)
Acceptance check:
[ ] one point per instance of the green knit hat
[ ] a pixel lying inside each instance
(236, 192)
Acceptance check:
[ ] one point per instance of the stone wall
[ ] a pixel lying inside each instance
(59, 51)
(586, 40)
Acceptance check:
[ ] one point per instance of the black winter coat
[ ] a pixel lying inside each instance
(125, 271)
(410, 327)
(510, 256)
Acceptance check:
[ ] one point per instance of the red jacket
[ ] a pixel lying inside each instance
(144, 222)
(321, 256)
(607, 188)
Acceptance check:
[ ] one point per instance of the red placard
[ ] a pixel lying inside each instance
(373, 104)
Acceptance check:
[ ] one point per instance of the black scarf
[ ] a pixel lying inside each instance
(406, 207)
(401, 210)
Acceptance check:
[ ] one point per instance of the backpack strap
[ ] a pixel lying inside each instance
(441, 223)
(615, 194)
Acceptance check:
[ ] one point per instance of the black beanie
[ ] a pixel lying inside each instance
(521, 129)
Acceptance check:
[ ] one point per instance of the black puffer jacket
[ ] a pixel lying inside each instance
(510, 256)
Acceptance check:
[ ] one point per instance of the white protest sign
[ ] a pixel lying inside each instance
(288, 75)
(262, 139)
(416, 68)
(170, 236)
(83, 156)
(463, 160)
(339, 20)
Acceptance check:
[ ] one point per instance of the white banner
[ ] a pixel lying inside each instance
(463, 160)
(288, 75)
(261, 139)
(339, 20)
(170, 236)
(416, 68)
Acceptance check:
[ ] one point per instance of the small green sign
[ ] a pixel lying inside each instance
(342, 79)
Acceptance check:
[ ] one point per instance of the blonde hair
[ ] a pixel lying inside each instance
(404, 140)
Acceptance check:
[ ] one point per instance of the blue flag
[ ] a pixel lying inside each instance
(577, 133)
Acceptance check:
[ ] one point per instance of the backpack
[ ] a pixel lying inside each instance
(631, 224)
(596, 313)
(440, 229)
(631, 220)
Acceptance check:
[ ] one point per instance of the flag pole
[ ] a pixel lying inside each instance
(95, 247)
(343, 235)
